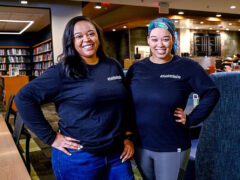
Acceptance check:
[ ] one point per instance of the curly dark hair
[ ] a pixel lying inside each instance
(74, 65)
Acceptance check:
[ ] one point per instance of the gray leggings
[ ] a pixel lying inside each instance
(161, 165)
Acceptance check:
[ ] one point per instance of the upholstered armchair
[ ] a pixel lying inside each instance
(218, 151)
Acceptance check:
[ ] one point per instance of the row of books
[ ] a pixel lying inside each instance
(14, 51)
(43, 65)
(43, 48)
(18, 59)
(2, 52)
(2, 73)
(3, 59)
(3, 66)
(43, 57)
(20, 66)
(38, 72)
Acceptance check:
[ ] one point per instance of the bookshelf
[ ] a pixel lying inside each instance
(3, 62)
(42, 57)
(15, 60)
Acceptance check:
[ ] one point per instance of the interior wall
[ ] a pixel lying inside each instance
(117, 45)
(42, 35)
(120, 44)
(185, 39)
(15, 40)
(230, 43)
(138, 36)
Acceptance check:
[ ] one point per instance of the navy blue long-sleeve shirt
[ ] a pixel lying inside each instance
(157, 90)
(90, 109)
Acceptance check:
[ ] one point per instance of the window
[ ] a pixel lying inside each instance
(207, 44)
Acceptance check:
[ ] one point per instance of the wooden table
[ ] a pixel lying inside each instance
(11, 164)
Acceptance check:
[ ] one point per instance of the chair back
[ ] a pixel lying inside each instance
(218, 151)
(18, 128)
(10, 111)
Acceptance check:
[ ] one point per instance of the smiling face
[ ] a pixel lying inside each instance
(161, 43)
(86, 41)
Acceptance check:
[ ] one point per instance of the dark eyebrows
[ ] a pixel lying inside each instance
(79, 33)
(167, 36)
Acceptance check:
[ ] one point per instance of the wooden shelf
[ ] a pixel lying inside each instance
(46, 41)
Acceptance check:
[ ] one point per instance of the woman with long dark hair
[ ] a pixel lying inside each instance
(90, 97)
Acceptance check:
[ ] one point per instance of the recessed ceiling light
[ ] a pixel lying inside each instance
(98, 6)
(218, 15)
(229, 24)
(233, 7)
(213, 19)
(196, 27)
(29, 23)
(113, 29)
(201, 22)
(124, 27)
(176, 21)
(227, 29)
(210, 28)
(24, 2)
(181, 12)
(217, 31)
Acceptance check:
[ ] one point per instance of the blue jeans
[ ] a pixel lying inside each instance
(82, 165)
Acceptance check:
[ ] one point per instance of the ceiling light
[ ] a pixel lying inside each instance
(196, 27)
(98, 6)
(176, 21)
(232, 7)
(210, 28)
(181, 12)
(147, 25)
(113, 29)
(229, 24)
(213, 19)
(217, 31)
(218, 15)
(124, 27)
(17, 21)
(227, 29)
(238, 29)
(176, 17)
(201, 22)
(24, 2)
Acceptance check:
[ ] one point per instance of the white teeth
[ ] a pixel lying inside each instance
(161, 51)
(87, 46)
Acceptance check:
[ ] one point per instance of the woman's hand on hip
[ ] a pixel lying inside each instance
(128, 150)
(180, 115)
(63, 143)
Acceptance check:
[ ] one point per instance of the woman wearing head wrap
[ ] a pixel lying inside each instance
(160, 86)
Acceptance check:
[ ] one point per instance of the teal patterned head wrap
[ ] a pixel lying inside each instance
(167, 24)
